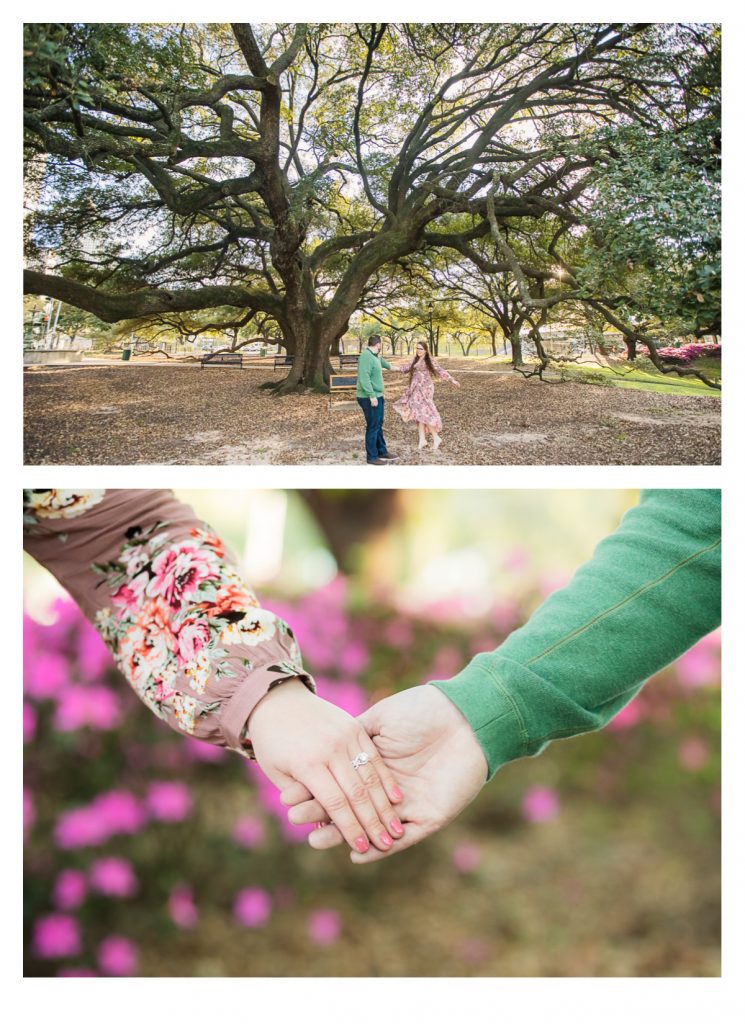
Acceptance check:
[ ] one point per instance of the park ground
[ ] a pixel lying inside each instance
(124, 413)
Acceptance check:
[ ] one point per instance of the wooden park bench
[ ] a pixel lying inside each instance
(280, 361)
(348, 360)
(339, 383)
(223, 359)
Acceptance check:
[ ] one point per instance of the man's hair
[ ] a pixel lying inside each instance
(374, 339)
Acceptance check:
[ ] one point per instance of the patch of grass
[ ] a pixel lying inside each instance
(644, 380)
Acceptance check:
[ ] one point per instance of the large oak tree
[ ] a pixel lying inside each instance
(279, 169)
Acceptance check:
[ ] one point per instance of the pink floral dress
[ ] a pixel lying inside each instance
(184, 627)
(417, 401)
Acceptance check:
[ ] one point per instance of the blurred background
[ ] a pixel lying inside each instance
(154, 855)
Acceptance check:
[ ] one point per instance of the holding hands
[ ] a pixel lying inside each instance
(303, 742)
(431, 749)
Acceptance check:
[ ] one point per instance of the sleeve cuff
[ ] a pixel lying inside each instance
(260, 680)
(491, 712)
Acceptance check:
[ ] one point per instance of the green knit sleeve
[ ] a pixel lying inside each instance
(650, 591)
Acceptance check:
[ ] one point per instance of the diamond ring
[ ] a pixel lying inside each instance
(360, 759)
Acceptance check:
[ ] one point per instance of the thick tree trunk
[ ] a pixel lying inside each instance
(516, 346)
(349, 518)
(630, 348)
(310, 346)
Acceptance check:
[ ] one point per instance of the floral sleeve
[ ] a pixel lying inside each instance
(184, 627)
(442, 373)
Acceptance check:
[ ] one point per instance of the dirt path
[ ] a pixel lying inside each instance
(138, 414)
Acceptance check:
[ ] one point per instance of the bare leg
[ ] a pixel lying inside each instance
(422, 436)
(436, 440)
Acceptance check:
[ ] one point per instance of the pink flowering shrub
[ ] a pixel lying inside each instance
(689, 353)
(137, 838)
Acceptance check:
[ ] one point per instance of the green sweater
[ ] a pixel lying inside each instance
(650, 591)
(370, 375)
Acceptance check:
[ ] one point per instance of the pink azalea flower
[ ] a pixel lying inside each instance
(117, 956)
(93, 655)
(349, 696)
(466, 857)
(113, 876)
(698, 667)
(505, 617)
(95, 706)
(447, 609)
(398, 633)
(46, 675)
(540, 804)
(119, 811)
(29, 722)
(627, 717)
(80, 827)
(447, 662)
(56, 936)
(181, 907)
(252, 907)
(693, 754)
(353, 658)
(168, 801)
(249, 831)
(70, 888)
(202, 751)
(269, 798)
(324, 927)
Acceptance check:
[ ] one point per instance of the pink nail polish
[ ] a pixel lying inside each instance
(386, 839)
(397, 794)
(396, 827)
(362, 845)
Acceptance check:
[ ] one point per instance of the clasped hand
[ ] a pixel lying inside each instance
(417, 740)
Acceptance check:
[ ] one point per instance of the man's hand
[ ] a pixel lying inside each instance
(300, 738)
(433, 752)
(374, 403)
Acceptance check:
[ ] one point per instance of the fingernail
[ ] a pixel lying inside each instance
(386, 839)
(397, 794)
(396, 827)
(362, 845)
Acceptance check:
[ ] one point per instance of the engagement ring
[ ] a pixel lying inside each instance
(361, 759)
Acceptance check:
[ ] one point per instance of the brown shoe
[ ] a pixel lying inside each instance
(378, 462)
(389, 458)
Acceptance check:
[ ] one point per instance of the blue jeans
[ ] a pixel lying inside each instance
(374, 440)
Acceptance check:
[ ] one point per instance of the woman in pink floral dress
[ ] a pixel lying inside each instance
(417, 402)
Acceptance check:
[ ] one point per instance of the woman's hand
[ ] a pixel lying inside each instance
(431, 748)
(300, 738)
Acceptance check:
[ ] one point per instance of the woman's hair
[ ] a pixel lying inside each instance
(427, 359)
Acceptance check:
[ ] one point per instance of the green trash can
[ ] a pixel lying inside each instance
(126, 353)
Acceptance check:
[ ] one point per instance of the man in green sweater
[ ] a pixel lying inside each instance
(651, 590)
(370, 397)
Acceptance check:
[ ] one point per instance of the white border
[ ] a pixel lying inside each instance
(394, 1000)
